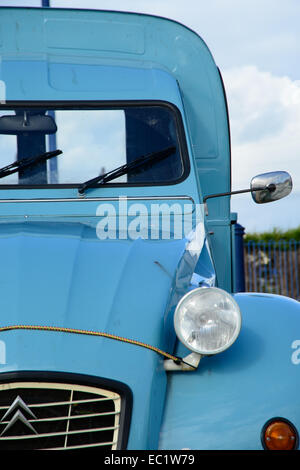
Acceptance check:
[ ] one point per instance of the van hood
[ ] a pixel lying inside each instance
(61, 273)
(58, 273)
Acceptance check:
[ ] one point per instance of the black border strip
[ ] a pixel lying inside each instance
(81, 379)
(97, 104)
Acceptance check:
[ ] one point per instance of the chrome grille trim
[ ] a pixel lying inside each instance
(112, 444)
(90, 425)
(74, 402)
(34, 436)
(90, 415)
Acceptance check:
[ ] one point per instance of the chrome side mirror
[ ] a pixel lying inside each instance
(269, 187)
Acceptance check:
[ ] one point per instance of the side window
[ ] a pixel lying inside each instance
(8, 151)
(93, 142)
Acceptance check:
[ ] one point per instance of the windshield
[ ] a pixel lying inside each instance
(93, 141)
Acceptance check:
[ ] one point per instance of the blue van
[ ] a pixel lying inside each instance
(120, 324)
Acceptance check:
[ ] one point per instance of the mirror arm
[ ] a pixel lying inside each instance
(270, 187)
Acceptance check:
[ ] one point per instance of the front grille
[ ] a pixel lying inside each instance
(41, 415)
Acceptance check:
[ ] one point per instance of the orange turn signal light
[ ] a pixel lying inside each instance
(279, 434)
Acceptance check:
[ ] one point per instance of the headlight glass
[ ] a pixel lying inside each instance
(207, 320)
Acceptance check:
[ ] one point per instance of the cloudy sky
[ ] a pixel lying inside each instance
(256, 44)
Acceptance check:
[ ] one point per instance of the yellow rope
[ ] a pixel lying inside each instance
(92, 333)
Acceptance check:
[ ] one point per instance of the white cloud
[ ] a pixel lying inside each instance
(265, 123)
(265, 132)
(92, 141)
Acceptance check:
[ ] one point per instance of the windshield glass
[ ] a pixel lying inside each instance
(93, 141)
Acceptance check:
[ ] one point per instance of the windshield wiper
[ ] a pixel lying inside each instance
(25, 162)
(140, 164)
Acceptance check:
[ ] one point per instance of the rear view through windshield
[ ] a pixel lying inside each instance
(93, 142)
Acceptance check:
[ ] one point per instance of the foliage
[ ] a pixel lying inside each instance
(274, 235)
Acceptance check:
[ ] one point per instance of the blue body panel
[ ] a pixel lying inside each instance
(226, 402)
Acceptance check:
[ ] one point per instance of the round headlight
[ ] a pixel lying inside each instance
(207, 320)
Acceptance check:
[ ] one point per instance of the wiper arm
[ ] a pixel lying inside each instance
(140, 163)
(25, 162)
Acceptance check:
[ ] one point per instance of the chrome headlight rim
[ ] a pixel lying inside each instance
(237, 327)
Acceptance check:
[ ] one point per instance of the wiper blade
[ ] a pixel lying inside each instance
(139, 164)
(25, 162)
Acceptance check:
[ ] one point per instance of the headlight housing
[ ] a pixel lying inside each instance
(207, 320)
